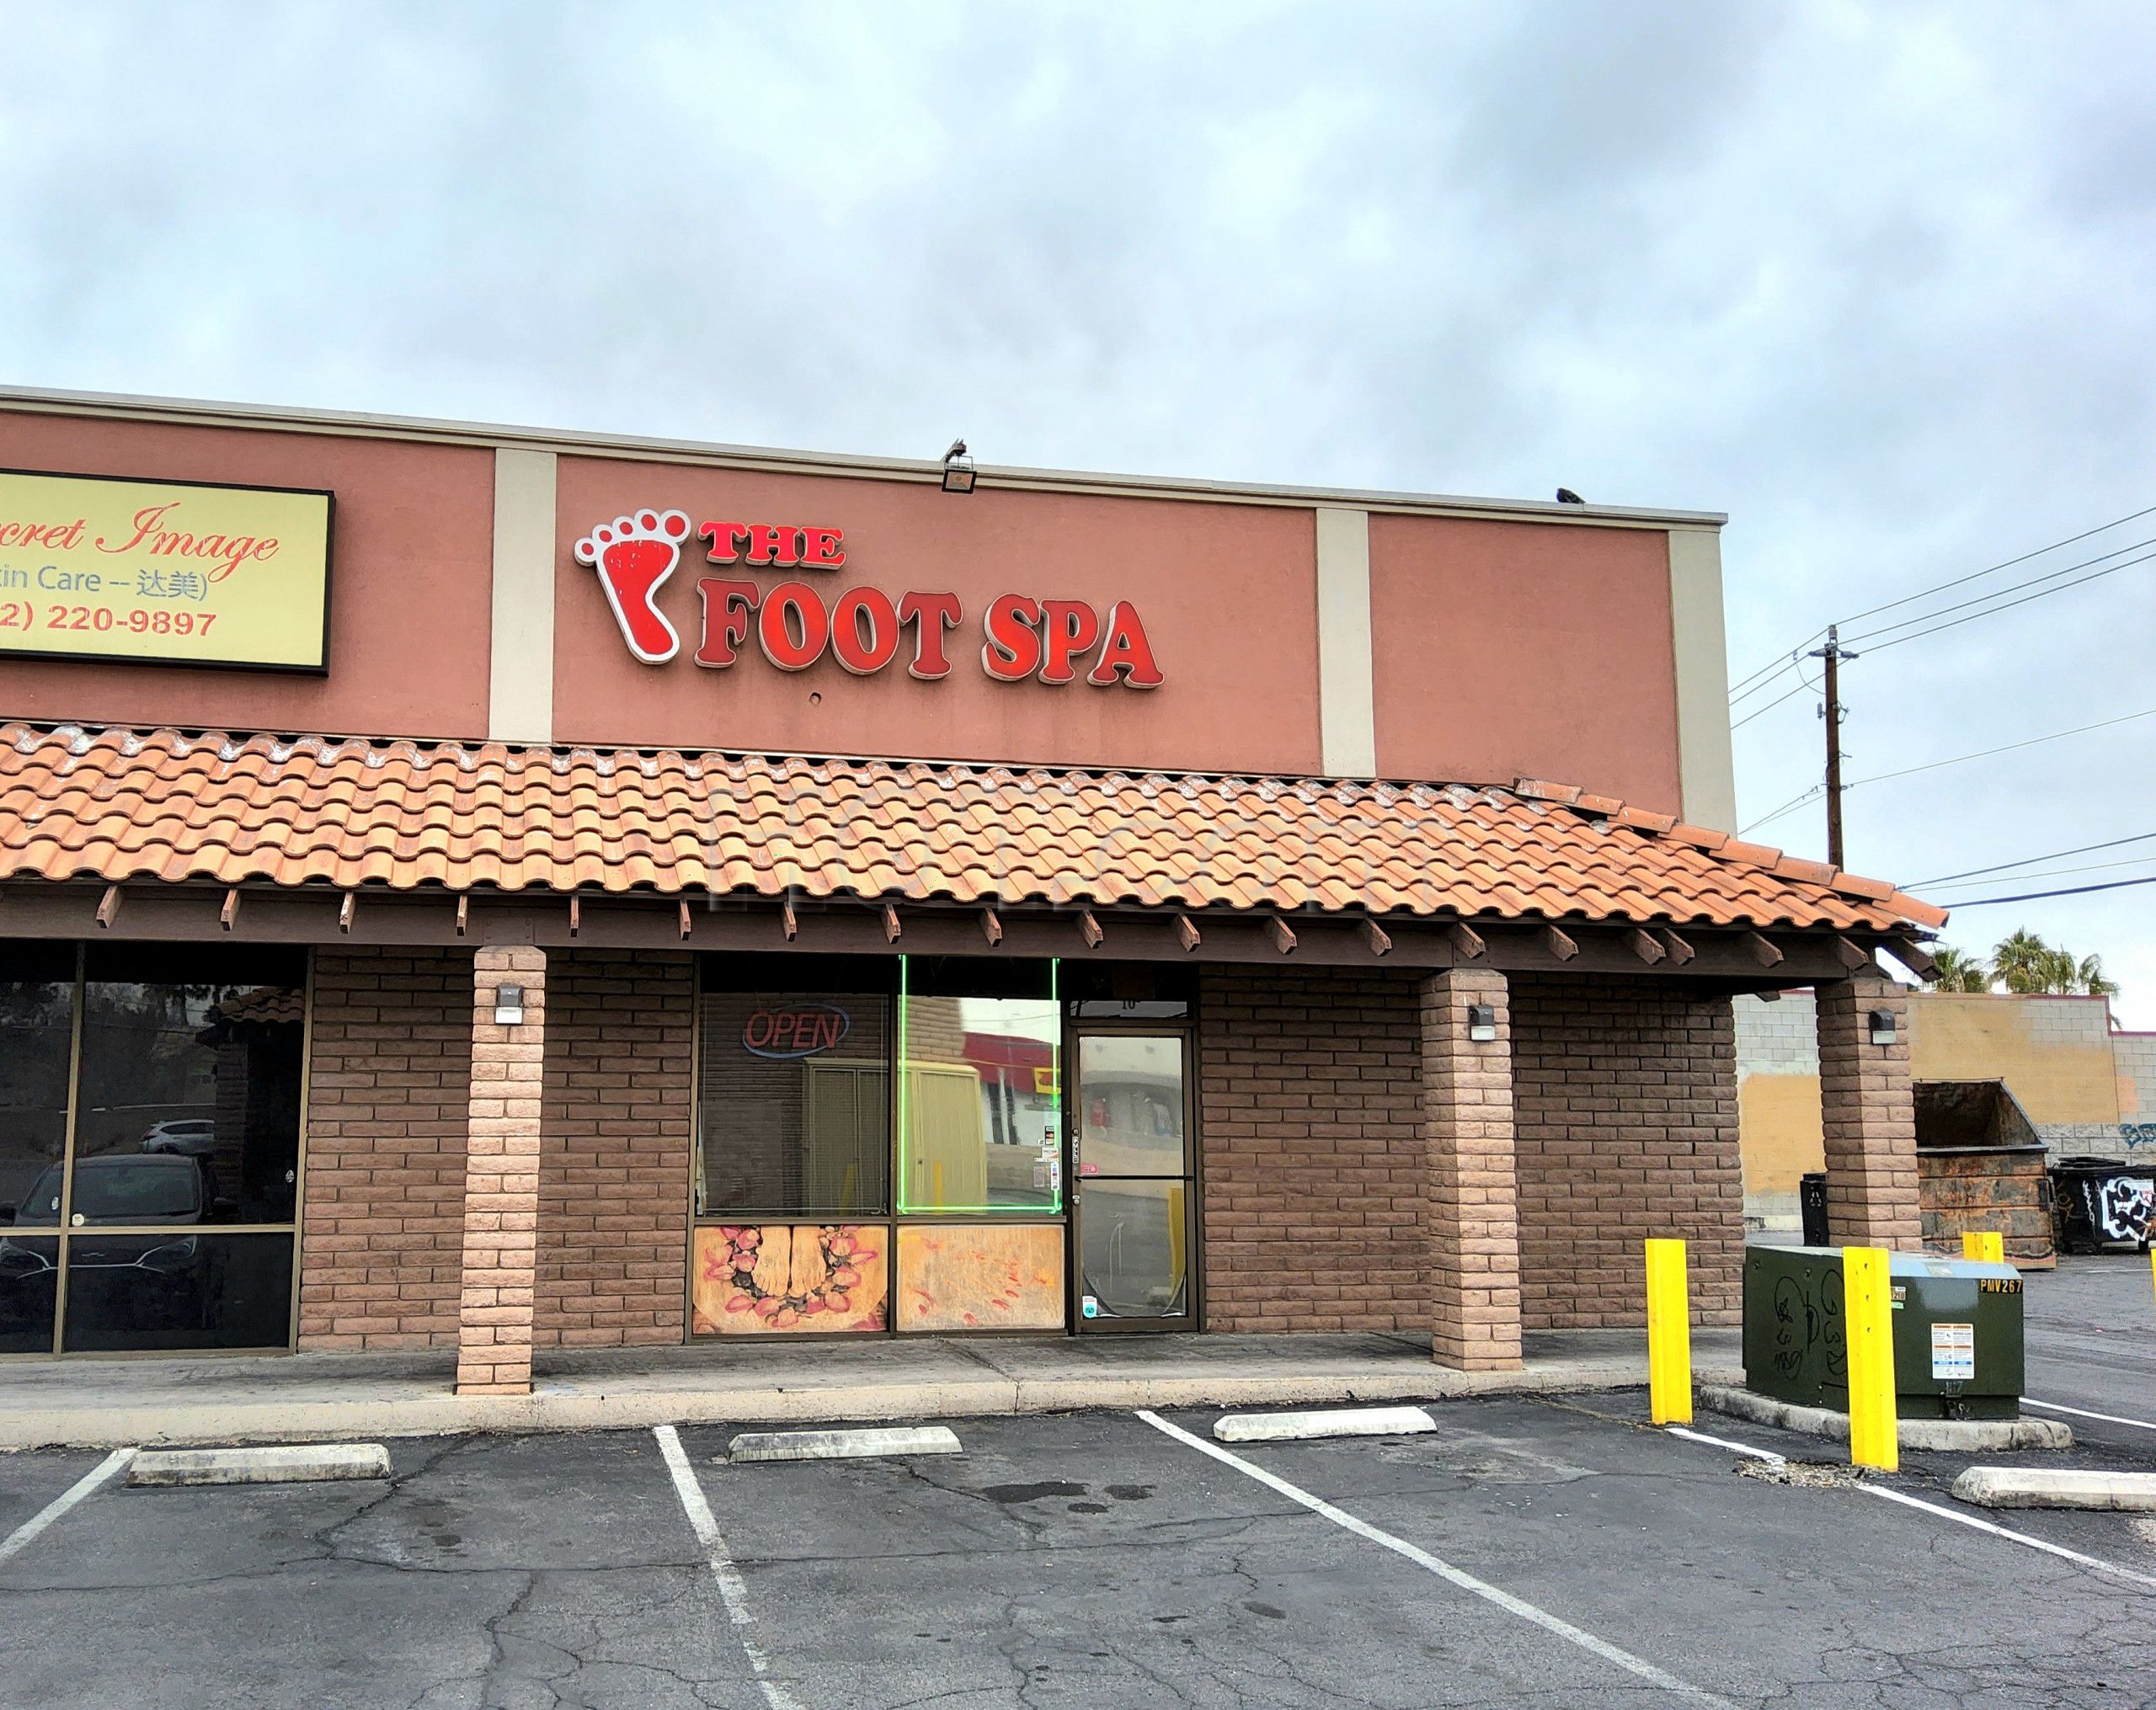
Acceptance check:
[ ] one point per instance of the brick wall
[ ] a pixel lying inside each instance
(1316, 1172)
(615, 1147)
(1625, 1101)
(389, 1083)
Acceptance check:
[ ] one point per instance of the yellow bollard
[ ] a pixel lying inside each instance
(1868, 1324)
(1669, 1336)
(1987, 1245)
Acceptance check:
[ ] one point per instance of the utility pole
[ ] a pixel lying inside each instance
(1834, 653)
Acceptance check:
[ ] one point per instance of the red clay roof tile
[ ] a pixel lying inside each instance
(115, 804)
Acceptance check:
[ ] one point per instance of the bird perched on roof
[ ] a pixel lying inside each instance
(957, 450)
(1566, 495)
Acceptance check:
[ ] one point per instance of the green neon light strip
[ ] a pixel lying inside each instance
(1054, 1207)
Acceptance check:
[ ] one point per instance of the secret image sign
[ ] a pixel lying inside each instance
(164, 572)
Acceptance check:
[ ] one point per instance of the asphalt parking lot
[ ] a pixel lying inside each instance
(1553, 1551)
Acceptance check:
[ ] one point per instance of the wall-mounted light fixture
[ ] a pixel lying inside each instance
(1882, 1026)
(1481, 1023)
(958, 469)
(509, 1006)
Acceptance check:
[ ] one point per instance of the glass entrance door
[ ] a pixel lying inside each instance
(1132, 1192)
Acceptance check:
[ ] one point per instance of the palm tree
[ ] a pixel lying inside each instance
(1957, 970)
(2028, 967)
(2023, 962)
(2090, 977)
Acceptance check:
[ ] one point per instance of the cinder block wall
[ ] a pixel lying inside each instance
(389, 1079)
(1314, 1168)
(1625, 1095)
(614, 1149)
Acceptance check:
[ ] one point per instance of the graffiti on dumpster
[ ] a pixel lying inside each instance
(2124, 1207)
(1805, 1320)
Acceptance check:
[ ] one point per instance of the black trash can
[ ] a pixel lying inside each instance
(1811, 1204)
(2101, 1203)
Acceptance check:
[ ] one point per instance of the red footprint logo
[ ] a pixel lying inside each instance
(633, 556)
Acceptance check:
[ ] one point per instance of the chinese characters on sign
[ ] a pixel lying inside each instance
(163, 571)
(864, 629)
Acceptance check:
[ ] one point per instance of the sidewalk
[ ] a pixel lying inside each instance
(299, 1398)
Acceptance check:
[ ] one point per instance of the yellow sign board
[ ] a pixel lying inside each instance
(164, 572)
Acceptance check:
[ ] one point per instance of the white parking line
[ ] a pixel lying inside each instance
(2110, 1568)
(24, 1534)
(1444, 1570)
(2084, 1412)
(731, 1591)
(1693, 1436)
(2095, 1565)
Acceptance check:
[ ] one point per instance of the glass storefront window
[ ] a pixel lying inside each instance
(1134, 1250)
(794, 1093)
(129, 1292)
(132, 1130)
(980, 1093)
(190, 1087)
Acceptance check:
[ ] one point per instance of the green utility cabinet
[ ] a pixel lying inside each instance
(1957, 1333)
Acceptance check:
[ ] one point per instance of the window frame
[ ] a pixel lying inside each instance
(65, 1233)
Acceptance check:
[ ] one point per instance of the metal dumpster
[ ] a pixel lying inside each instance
(2101, 1203)
(1957, 1333)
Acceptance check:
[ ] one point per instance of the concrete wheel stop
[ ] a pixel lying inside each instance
(870, 1443)
(1951, 1436)
(2062, 1487)
(297, 1463)
(1337, 1422)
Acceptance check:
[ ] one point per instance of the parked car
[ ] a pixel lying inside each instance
(141, 1282)
(193, 1136)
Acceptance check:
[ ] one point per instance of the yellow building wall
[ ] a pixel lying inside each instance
(2030, 1044)
(1778, 1123)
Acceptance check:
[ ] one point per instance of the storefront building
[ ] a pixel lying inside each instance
(501, 890)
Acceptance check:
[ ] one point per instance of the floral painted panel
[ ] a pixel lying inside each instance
(980, 1277)
(755, 1279)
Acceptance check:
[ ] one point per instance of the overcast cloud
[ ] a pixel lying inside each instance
(1876, 281)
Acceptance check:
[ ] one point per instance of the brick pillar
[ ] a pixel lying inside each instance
(1868, 1115)
(1467, 1127)
(501, 1177)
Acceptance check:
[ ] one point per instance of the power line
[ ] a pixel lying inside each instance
(2015, 588)
(1765, 683)
(2008, 564)
(2007, 748)
(2030, 860)
(1746, 684)
(1788, 806)
(1797, 802)
(2052, 872)
(1772, 705)
(1794, 654)
(1993, 611)
(2072, 891)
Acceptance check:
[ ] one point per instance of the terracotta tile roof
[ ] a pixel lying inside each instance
(109, 804)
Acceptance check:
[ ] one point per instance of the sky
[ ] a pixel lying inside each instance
(1876, 281)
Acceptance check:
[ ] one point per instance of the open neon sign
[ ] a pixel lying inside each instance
(864, 629)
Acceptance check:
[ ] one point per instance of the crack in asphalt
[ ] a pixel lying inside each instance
(1166, 1620)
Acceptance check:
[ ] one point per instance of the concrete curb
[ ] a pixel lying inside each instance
(294, 1464)
(1953, 1436)
(432, 1410)
(2026, 1487)
(1301, 1427)
(878, 1442)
